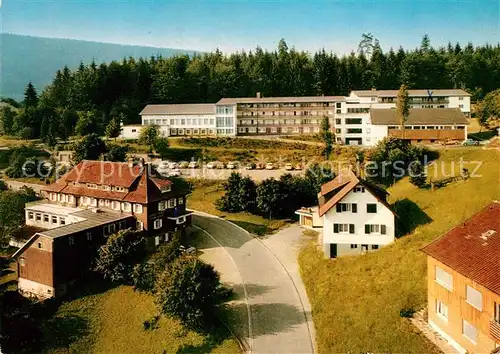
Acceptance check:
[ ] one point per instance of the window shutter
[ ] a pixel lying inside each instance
(351, 228)
(355, 208)
(367, 229)
(336, 228)
(382, 229)
(339, 208)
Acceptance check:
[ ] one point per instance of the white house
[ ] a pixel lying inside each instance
(181, 119)
(356, 216)
(132, 131)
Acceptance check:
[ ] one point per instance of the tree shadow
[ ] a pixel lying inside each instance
(409, 217)
(274, 318)
(251, 289)
(62, 331)
(256, 229)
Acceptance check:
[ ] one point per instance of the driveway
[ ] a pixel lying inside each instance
(272, 310)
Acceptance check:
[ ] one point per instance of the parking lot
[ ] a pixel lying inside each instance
(256, 175)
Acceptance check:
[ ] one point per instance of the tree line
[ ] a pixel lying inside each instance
(117, 91)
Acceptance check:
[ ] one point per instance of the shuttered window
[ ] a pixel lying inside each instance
(445, 279)
(343, 228)
(346, 207)
(474, 297)
(469, 331)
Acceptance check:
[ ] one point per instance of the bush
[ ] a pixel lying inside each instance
(144, 277)
(240, 194)
(166, 254)
(190, 291)
(418, 177)
(116, 259)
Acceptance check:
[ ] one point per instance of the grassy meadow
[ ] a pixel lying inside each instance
(112, 322)
(356, 300)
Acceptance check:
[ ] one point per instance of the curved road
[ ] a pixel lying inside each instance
(274, 311)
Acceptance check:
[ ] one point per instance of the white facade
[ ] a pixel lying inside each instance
(49, 216)
(354, 239)
(33, 288)
(131, 131)
(182, 124)
(225, 119)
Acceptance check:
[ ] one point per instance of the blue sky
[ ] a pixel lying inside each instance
(234, 25)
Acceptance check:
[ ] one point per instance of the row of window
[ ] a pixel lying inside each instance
(227, 131)
(429, 127)
(224, 109)
(171, 203)
(181, 131)
(158, 223)
(371, 208)
(280, 130)
(278, 121)
(179, 121)
(285, 113)
(472, 296)
(358, 110)
(291, 104)
(222, 122)
(112, 204)
(364, 247)
(47, 219)
(369, 229)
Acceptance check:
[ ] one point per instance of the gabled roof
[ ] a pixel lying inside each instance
(143, 183)
(332, 192)
(420, 116)
(473, 248)
(301, 99)
(414, 93)
(171, 109)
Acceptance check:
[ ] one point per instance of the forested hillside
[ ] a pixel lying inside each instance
(121, 89)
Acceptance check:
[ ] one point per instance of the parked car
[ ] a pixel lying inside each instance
(298, 167)
(470, 142)
(184, 164)
(270, 166)
(450, 142)
(260, 166)
(174, 172)
(162, 167)
(211, 165)
(288, 167)
(250, 166)
(193, 164)
(232, 165)
(172, 165)
(219, 165)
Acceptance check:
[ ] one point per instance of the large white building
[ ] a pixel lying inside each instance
(350, 117)
(356, 217)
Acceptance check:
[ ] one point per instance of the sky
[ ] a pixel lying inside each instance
(235, 25)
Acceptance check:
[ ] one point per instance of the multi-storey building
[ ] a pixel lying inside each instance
(181, 119)
(439, 98)
(356, 217)
(350, 117)
(83, 207)
(463, 268)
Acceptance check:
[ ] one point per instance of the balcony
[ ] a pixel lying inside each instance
(495, 329)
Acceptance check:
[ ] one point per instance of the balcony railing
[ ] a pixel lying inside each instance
(495, 329)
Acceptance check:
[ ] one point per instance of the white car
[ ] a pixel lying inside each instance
(269, 166)
(162, 167)
(193, 164)
(172, 165)
(174, 173)
(232, 165)
(211, 165)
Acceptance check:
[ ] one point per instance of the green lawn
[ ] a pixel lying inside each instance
(206, 193)
(356, 300)
(112, 322)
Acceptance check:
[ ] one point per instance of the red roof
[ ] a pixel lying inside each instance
(473, 248)
(332, 192)
(141, 187)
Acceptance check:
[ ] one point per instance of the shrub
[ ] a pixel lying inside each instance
(418, 177)
(190, 292)
(240, 194)
(144, 277)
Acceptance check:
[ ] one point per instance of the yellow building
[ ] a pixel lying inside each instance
(464, 283)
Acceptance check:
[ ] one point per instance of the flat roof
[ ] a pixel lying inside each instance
(302, 99)
(52, 208)
(172, 109)
(92, 219)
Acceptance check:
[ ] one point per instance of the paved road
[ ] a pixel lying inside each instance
(17, 185)
(273, 311)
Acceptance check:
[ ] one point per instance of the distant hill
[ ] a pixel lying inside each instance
(36, 59)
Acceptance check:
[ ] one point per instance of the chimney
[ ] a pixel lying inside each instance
(130, 162)
(258, 95)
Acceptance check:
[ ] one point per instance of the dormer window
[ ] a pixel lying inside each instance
(92, 185)
(359, 189)
(166, 189)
